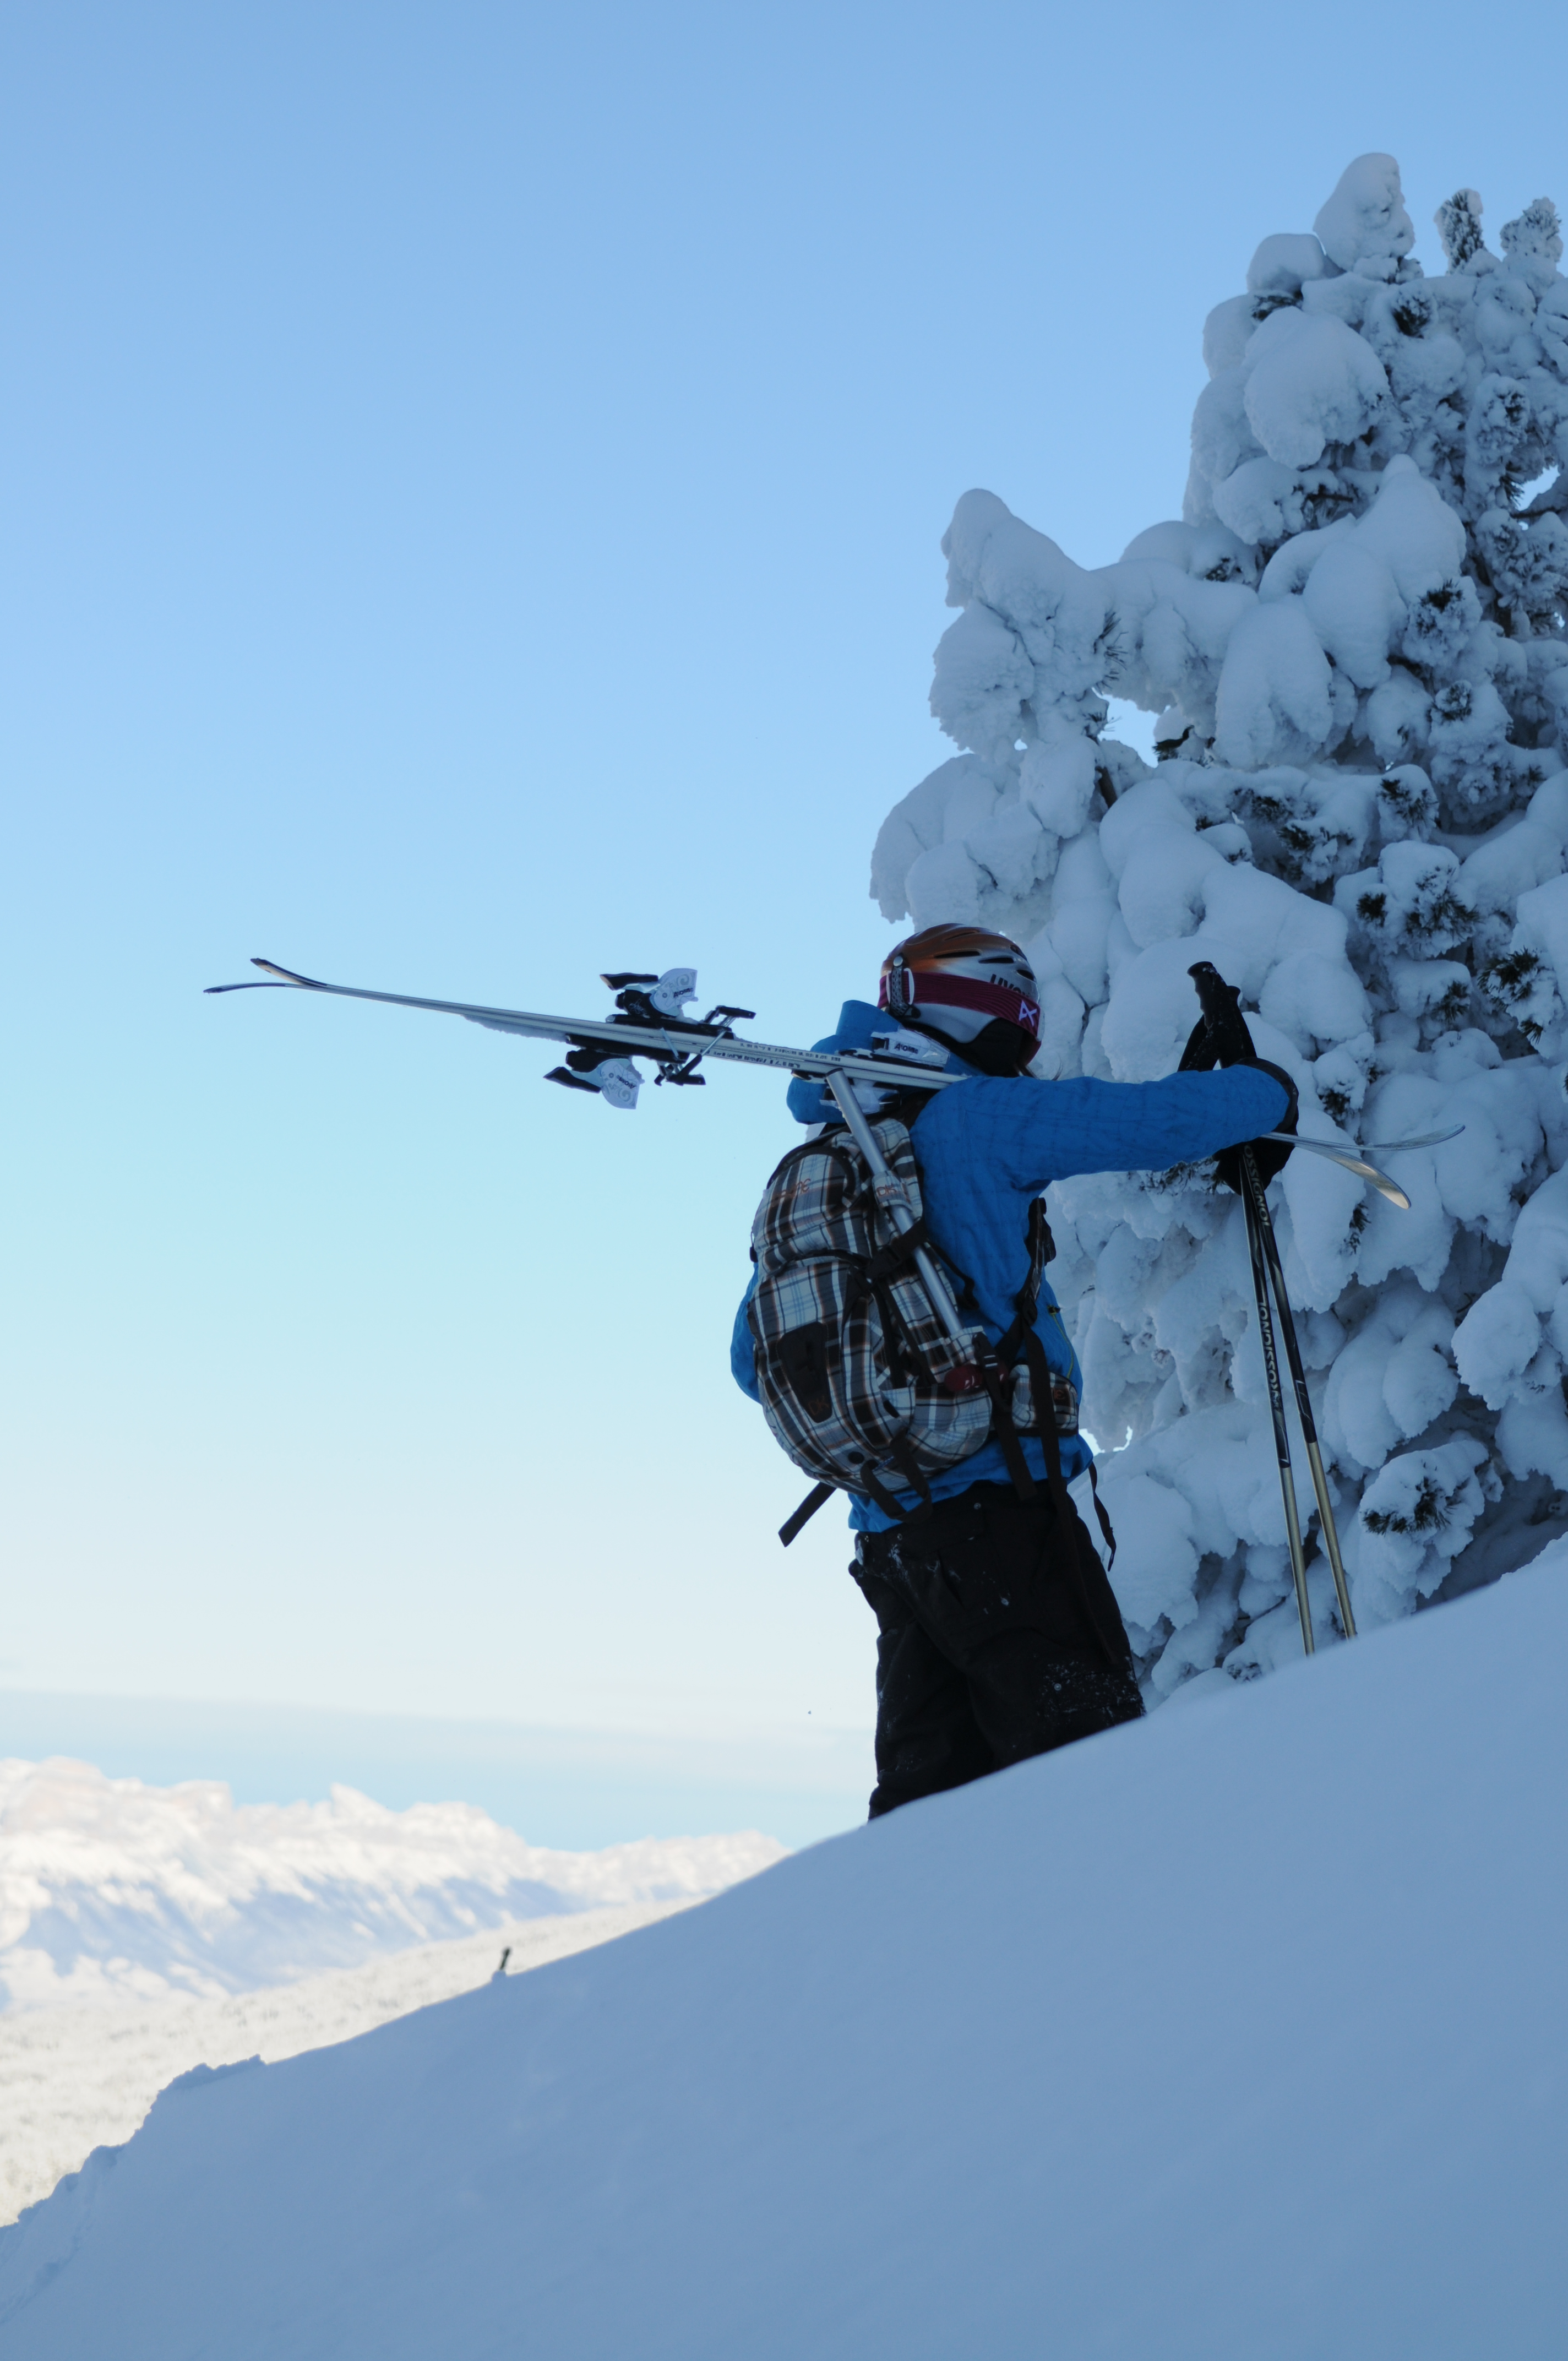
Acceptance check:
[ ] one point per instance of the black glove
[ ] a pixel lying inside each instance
(1221, 1038)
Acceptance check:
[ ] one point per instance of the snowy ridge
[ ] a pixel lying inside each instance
(75, 2079)
(114, 1893)
(1235, 2031)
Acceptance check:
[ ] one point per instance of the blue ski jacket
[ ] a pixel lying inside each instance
(987, 1147)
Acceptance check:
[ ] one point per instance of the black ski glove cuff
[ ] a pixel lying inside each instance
(1270, 1155)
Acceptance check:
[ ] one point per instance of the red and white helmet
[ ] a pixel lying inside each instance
(960, 983)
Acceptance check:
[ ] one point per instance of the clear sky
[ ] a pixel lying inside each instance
(475, 479)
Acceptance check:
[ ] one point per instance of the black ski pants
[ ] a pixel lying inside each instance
(986, 1652)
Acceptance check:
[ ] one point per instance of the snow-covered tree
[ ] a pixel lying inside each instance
(1355, 644)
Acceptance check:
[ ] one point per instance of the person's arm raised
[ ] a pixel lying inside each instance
(1038, 1132)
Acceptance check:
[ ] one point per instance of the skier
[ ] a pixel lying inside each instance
(999, 1634)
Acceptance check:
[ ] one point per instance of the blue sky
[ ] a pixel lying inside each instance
(476, 478)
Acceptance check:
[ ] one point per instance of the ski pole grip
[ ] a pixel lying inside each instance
(1228, 1038)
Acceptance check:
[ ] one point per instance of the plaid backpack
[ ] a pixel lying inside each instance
(859, 1382)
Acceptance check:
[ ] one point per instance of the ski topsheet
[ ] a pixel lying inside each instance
(648, 1027)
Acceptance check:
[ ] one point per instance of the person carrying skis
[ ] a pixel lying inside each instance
(999, 1634)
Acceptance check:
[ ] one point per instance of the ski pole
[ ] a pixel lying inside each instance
(1224, 1029)
(1258, 1206)
(1250, 1204)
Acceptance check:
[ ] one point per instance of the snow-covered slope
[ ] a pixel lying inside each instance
(116, 1893)
(1235, 2033)
(72, 2079)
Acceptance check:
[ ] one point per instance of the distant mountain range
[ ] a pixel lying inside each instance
(112, 1893)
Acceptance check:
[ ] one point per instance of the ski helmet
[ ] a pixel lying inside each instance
(970, 988)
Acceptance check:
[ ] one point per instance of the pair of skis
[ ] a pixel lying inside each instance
(649, 1023)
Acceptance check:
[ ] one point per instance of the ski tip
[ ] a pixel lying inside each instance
(287, 975)
(1388, 1189)
(279, 975)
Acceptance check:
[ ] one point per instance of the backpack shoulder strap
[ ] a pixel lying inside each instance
(1026, 1302)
